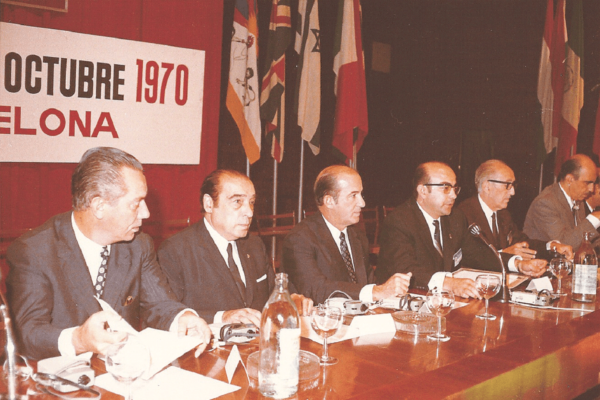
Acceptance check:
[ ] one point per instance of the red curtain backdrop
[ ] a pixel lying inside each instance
(30, 193)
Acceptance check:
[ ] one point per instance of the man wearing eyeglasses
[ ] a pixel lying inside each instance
(495, 183)
(425, 237)
(559, 211)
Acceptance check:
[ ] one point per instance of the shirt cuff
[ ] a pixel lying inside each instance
(437, 280)
(174, 328)
(511, 264)
(548, 244)
(65, 342)
(594, 221)
(366, 294)
(218, 318)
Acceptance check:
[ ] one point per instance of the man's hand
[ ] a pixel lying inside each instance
(533, 268)
(462, 287)
(564, 249)
(242, 316)
(91, 336)
(397, 285)
(190, 324)
(521, 249)
(303, 304)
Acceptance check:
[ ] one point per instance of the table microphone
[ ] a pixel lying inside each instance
(476, 231)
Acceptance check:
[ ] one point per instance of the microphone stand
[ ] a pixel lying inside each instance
(505, 291)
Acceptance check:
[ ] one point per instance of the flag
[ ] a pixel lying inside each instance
(596, 145)
(308, 79)
(351, 121)
(544, 90)
(572, 100)
(272, 95)
(242, 90)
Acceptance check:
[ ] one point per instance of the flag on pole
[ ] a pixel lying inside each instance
(351, 120)
(544, 90)
(242, 90)
(308, 80)
(572, 100)
(272, 95)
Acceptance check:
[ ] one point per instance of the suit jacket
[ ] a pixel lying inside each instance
(407, 246)
(315, 265)
(550, 218)
(508, 232)
(201, 279)
(49, 286)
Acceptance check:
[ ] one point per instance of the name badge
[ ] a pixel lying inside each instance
(457, 257)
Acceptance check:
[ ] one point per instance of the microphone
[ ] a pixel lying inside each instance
(476, 231)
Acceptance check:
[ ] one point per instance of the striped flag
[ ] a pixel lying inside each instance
(272, 95)
(572, 100)
(544, 90)
(242, 90)
(351, 121)
(308, 82)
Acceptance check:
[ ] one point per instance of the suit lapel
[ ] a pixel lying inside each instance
(562, 200)
(357, 257)
(331, 248)
(74, 267)
(484, 225)
(117, 279)
(503, 229)
(248, 266)
(449, 244)
(424, 234)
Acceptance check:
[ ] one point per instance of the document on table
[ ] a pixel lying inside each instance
(164, 346)
(172, 383)
(514, 280)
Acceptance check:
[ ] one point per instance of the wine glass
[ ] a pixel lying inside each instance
(439, 302)
(488, 285)
(326, 320)
(127, 360)
(560, 267)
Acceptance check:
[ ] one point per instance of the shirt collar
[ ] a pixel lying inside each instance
(335, 232)
(219, 240)
(486, 210)
(86, 244)
(428, 217)
(569, 200)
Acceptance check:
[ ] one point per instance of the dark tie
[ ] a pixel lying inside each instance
(495, 229)
(346, 257)
(235, 272)
(437, 242)
(575, 210)
(101, 278)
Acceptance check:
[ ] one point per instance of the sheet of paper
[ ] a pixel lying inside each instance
(540, 284)
(514, 280)
(369, 324)
(165, 347)
(344, 333)
(232, 362)
(172, 383)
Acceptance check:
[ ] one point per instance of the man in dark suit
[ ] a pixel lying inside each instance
(558, 213)
(213, 266)
(424, 236)
(495, 183)
(326, 252)
(58, 268)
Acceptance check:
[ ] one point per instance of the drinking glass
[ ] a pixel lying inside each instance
(488, 285)
(439, 302)
(326, 320)
(560, 267)
(127, 360)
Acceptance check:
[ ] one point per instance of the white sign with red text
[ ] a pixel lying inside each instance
(62, 93)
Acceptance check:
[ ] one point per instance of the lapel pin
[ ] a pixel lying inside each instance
(128, 301)
(450, 236)
(248, 255)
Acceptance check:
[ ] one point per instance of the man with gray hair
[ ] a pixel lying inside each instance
(495, 183)
(95, 250)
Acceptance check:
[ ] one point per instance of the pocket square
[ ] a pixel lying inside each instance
(262, 278)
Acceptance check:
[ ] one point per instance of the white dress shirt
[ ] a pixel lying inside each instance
(488, 214)
(437, 279)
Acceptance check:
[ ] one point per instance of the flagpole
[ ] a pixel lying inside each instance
(301, 184)
(541, 176)
(273, 239)
(247, 167)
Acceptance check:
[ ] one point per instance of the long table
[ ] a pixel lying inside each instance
(525, 353)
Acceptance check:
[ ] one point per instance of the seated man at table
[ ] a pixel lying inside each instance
(495, 183)
(424, 236)
(558, 213)
(95, 250)
(214, 266)
(326, 252)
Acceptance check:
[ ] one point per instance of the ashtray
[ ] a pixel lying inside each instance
(415, 323)
(309, 370)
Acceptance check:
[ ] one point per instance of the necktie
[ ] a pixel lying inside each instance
(575, 210)
(235, 272)
(102, 271)
(346, 257)
(437, 237)
(495, 229)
